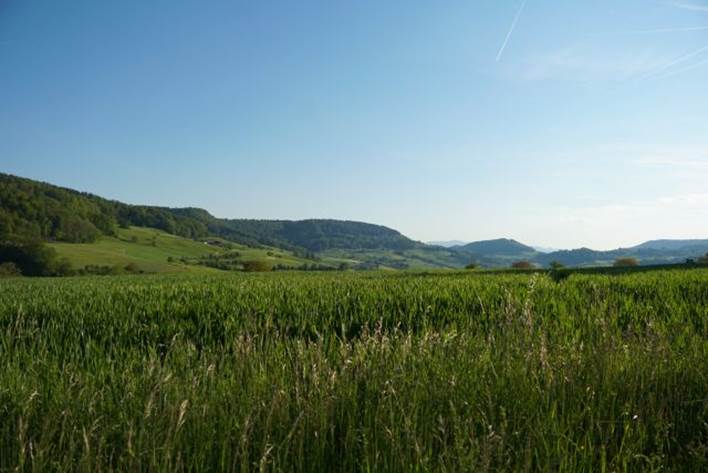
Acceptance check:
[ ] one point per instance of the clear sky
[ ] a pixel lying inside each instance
(558, 123)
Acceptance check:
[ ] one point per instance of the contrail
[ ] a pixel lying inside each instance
(511, 30)
(684, 69)
(688, 6)
(676, 62)
(664, 30)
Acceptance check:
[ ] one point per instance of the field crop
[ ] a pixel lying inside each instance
(355, 372)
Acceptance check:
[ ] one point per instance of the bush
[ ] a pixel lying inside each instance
(256, 266)
(132, 268)
(32, 258)
(559, 274)
(9, 270)
(523, 265)
(472, 266)
(626, 262)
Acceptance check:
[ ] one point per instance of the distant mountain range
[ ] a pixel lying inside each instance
(447, 244)
(501, 253)
(31, 210)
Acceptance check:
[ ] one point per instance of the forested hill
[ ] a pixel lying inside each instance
(31, 210)
(41, 211)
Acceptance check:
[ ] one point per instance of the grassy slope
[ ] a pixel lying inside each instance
(121, 250)
(418, 258)
(135, 245)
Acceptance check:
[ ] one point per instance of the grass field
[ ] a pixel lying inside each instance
(135, 245)
(355, 372)
(150, 249)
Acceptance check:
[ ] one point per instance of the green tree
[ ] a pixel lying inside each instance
(32, 258)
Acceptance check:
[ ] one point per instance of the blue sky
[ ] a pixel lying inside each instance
(561, 124)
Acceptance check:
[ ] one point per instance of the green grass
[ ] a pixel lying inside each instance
(416, 259)
(397, 371)
(150, 249)
(135, 245)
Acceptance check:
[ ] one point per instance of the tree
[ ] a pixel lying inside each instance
(626, 262)
(703, 259)
(522, 265)
(472, 266)
(33, 258)
(556, 265)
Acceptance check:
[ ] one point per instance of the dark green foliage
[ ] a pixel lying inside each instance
(305, 237)
(95, 270)
(162, 218)
(33, 259)
(560, 274)
(35, 210)
(522, 265)
(256, 266)
(132, 268)
(9, 270)
(31, 210)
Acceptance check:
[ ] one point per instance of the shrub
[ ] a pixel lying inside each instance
(472, 266)
(626, 262)
(256, 266)
(523, 265)
(9, 270)
(132, 268)
(559, 274)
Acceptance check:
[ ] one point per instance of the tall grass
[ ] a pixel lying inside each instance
(355, 372)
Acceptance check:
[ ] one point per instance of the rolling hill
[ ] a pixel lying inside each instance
(501, 252)
(673, 245)
(90, 230)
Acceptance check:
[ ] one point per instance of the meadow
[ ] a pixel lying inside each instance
(155, 251)
(369, 371)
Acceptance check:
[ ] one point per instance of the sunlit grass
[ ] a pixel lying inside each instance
(355, 372)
